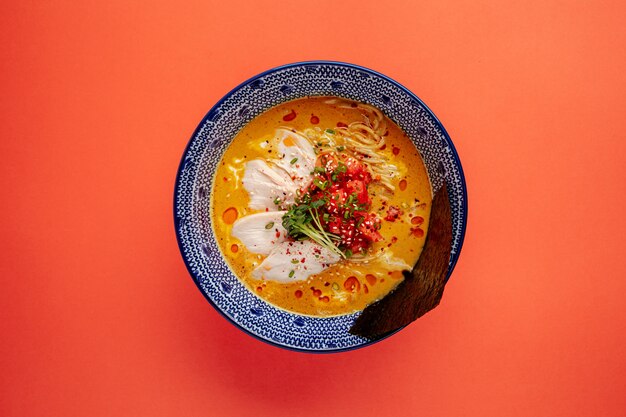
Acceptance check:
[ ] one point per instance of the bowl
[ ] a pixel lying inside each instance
(200, 159)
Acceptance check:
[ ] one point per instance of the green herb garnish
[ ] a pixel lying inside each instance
(320, 184)
(359, 221)
(269, 225)
(318, 203)
(293, 161)
(302, 222)
(332, 132)
(291, 273)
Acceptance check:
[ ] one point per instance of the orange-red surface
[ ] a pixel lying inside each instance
(98, 314)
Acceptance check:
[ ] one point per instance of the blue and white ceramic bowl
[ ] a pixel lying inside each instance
(194, 182)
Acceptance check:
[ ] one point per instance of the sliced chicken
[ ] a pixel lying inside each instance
(298, 156)
(267, 185)
(291, 261)
(260, 232)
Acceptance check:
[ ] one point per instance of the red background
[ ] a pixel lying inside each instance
(99, 315)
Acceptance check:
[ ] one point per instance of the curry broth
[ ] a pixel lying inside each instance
(345, 287)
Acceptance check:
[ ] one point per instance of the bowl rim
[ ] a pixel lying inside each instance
(202, 122)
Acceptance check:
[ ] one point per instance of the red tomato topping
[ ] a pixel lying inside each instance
(341, 181)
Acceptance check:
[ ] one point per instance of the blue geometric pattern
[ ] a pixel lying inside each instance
(195, 180)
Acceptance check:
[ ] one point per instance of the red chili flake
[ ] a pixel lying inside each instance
(225, 179)
(267, 209)
(365, 288)
(303, 260)
(317, 293)
(324, 299)
(289, 117)
(341, 124)
(259, 289)
(395, 150)
(234, 248)
(402, 185)
(298, 294)
(382, 148)
(393, 213)
(314, 119)
(277, 233)
(353, 104)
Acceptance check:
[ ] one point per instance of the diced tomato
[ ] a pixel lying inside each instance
(370, 226)
(352, 223)
(356, 170)
(358, 187)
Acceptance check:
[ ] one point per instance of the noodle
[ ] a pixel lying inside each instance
(364, 139)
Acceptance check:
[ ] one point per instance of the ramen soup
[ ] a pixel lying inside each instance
(319, 204)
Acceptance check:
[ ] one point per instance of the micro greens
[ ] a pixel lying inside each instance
(302, 222)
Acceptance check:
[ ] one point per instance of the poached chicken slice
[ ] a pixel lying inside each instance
(291, 261)
(298, 156)
(260, 232)
(266, 185)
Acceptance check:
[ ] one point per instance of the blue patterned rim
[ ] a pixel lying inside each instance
(194, 181)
